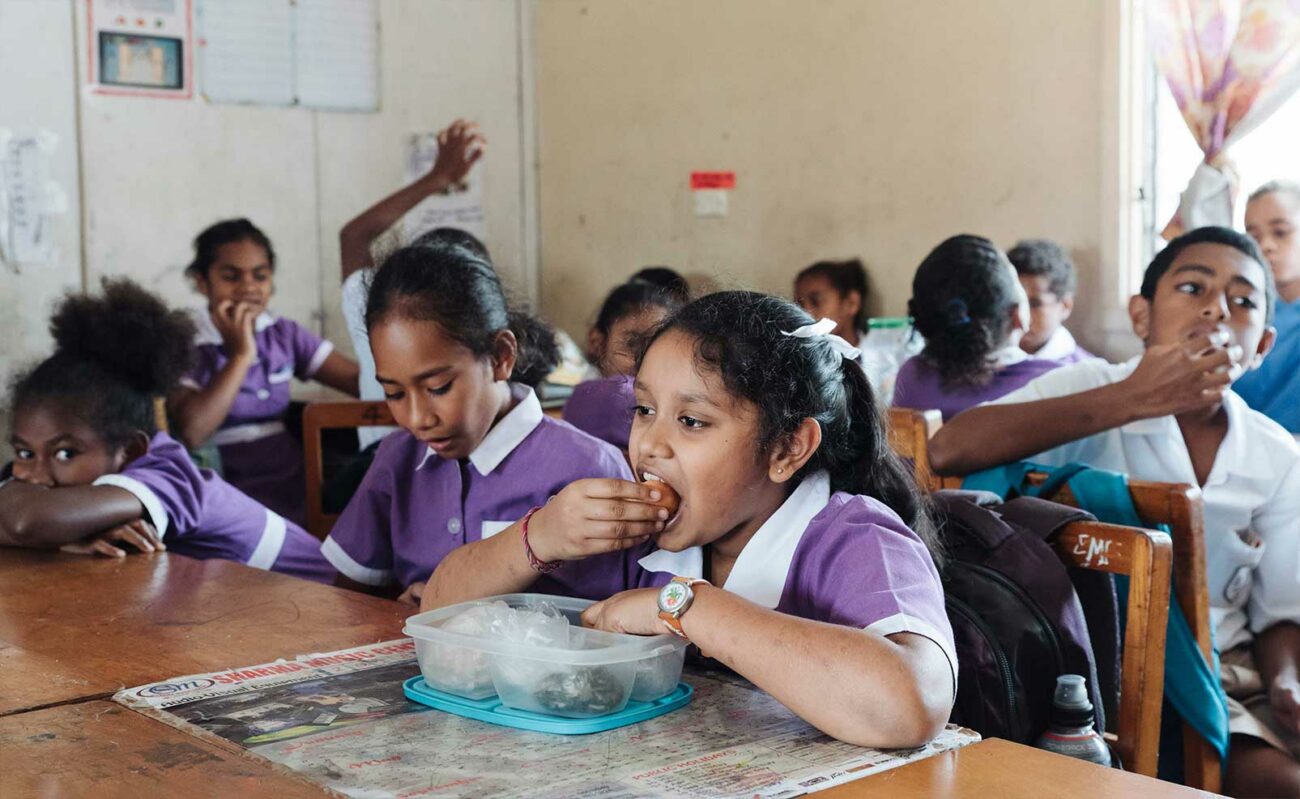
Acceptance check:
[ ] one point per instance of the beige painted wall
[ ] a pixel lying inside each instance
(856, 127)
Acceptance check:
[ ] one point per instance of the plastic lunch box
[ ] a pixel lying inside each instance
(596, 675)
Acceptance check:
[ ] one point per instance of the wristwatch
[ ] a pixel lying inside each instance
(675, 598)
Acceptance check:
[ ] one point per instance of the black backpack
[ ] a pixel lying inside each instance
(1016, 617)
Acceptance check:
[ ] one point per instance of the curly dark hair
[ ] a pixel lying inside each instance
(114, 354)
(433, 281)
(1040, 257)
(738, 336)
(962, 295)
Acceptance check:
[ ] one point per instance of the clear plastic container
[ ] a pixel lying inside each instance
(597, 674)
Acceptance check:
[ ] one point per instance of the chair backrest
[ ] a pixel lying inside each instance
(909, 436)
(1177, 505)
(1145, 556)
(320, 416)
(160, 414)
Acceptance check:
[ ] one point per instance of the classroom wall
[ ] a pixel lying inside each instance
(855, 127)
(156, 171)
(35, 43)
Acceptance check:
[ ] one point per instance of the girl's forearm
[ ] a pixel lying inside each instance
(853, 685)
(38, 517)
(356, 236)
(200, 412)
(495, 565)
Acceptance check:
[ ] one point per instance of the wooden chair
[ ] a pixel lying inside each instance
(1174, 504)
(160, 414)
(909, 436)
(1145, 556)
(320, 416)
(1177, 505)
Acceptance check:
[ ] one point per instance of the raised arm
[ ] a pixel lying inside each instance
(459, 146)
(1169, 380)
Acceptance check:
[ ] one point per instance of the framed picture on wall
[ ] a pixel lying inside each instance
(146, 62)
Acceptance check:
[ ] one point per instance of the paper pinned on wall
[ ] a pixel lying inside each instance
(460, 207)
(323, 54)
(28, 198)
(336, 55)
(246, 51)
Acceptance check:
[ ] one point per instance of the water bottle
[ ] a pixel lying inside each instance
(889, 342)
(1071, 732)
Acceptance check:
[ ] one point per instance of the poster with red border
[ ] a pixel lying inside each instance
(140, 48)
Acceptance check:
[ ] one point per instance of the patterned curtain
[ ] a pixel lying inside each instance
(1230, 64)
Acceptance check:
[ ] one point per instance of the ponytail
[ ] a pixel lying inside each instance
(538, 354)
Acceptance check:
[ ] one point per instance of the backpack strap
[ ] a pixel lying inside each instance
(1042, 517)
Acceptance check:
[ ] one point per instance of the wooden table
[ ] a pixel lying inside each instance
(104, 750)
(996, 769)
(74, 628)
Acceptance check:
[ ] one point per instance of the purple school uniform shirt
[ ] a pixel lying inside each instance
(837, 558)
(258, 455)
(414, 507)
(919, 385)
(603, 408)
(200, 515)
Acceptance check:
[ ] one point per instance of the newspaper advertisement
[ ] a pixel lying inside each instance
(341, 720)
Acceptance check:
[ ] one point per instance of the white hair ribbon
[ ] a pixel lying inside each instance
(822, 329)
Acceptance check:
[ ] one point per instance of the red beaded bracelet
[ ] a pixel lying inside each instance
(539, 566)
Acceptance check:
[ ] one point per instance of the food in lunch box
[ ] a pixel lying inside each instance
(581, 692)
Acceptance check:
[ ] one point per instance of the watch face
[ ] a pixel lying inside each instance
(674, 597)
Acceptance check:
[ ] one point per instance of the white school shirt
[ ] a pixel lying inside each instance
(1251, 498)
(353, 300)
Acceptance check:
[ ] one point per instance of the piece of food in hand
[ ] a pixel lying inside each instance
(669, 499)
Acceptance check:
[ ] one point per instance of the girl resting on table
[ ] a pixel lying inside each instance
(237, 394)
(91, 471)
(476, 452)
(798, 555)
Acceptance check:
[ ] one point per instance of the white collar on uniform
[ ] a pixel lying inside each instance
(1008, 355)
(1060, 344)
(506, 434)
(760, 572)
(206, 332)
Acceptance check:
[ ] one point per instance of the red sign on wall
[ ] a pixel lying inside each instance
(713, 180)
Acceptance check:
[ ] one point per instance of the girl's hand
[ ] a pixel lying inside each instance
(235, 322)
(635, 612)
(1284, 696)
(460, 145)
(411, 596)
(1176, 378)
(595, 516)
(139, 535)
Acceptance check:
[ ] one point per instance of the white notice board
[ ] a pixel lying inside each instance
(315, 53)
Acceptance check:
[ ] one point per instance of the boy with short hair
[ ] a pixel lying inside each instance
(1047, 273)
(1204, 314)
(1272, 219)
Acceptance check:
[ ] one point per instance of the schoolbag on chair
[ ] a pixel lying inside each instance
(1017, 621)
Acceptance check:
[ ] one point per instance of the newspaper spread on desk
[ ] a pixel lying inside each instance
(341, 720)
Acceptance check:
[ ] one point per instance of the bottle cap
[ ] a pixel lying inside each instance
(888, 322)
(1070, 703)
